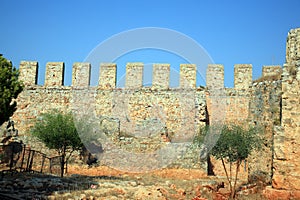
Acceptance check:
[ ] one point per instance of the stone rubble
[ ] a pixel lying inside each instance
(39, 186)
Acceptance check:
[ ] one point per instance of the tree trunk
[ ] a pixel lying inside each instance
(238, 163)
(230, 171)
(62, 165)
(229, 181)
(63, 161)
(66, 166)
(210, 171)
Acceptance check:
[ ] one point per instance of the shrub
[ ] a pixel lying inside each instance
(57, 130)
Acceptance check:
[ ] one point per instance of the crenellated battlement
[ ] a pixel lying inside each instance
(161, 76)
(108, 75)
(54, 74)
(242, 76)
(29, 72)
(134, 75)
(81, 75)
(271, 102)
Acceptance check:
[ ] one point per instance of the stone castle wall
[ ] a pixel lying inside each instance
(271, 102)
(182, 110)
(108, 100)
(139, 100)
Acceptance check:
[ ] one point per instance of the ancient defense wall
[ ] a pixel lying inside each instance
(36, 99)
(271, 102)
(179, 111)
(182, 110)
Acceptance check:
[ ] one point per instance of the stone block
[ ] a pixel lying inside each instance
(108, 75)
(81, 74)
(188, 76)
(29, 72)
(274, 194)
(242, 76)
(134, 75)
(215, 77)
(271, 70)
(54, 74)
(161, 76)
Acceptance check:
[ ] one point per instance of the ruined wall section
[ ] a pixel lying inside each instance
(293, 46)
(265, 112)
(286, 139)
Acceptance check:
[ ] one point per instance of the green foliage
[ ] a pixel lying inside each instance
(57, 130)
(199, 137)
(236, 143)
(10, 88)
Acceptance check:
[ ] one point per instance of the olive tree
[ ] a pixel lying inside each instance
(234, 145)
(57, 131)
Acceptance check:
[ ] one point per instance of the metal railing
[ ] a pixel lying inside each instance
(16, 157)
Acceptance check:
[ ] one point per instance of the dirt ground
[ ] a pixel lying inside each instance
(187, 174)
(171, 184)
(94, 183)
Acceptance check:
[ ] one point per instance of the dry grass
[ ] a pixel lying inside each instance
(275, 77)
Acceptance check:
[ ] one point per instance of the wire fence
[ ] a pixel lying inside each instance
(16, 157)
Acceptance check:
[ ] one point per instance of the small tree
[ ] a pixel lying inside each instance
(58, 131)
(10, 88)
(235, 145)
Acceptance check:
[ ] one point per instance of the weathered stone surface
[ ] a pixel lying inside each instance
(265, 112)
(277, 194)
(286, 173)
(108, 75)
(188, 76)
(215, 77)
(29, 72)
(242, 76)
(272, 70)
(159, 114)
(134, 75)
(161, 76)
(54, 74)
(273, 194)
(81, 75)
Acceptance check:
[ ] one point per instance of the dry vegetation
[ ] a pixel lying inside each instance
(274, 77)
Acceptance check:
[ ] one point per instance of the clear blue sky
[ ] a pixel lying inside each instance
(232, 32)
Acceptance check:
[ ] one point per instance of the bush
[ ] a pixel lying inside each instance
(234, 145)
(57, 130)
